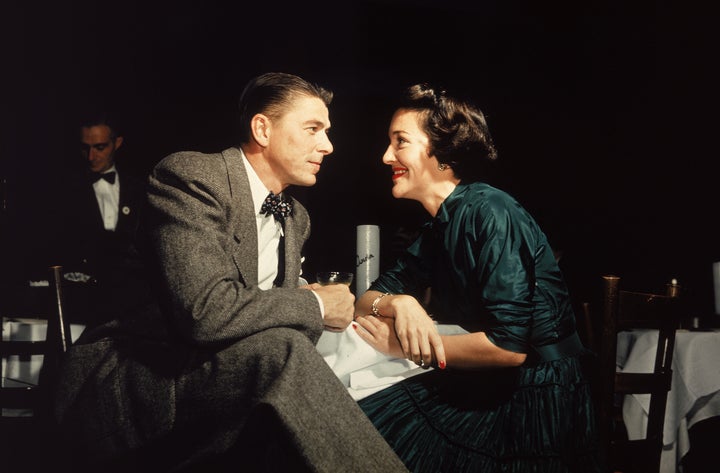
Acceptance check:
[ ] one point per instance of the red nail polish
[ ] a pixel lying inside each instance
(354, 325)
(441, 365)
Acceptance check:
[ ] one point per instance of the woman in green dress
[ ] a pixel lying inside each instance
(510, 395)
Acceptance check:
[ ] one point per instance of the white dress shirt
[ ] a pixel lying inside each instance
(108, 199)
(269, 232)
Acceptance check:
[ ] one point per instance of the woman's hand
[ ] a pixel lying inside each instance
(379, 332)
(406, 332)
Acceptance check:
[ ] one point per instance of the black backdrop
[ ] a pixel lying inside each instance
(597, 109)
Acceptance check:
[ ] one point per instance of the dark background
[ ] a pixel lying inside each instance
(602, 113)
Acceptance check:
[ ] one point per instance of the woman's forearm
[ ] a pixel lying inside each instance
(475, 350)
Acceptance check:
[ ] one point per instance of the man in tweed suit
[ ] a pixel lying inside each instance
(228, 377)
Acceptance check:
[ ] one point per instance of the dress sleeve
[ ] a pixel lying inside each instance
(504, 240)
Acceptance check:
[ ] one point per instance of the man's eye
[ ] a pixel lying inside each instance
(100, 147)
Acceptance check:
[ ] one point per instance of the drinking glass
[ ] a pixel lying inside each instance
(325, 278)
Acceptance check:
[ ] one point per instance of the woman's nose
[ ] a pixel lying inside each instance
(388, 156)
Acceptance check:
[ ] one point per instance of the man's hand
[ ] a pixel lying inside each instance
(339, 305)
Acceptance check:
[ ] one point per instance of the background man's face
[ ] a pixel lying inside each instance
(98, 147)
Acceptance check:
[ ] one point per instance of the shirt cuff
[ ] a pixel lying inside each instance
(319, 299)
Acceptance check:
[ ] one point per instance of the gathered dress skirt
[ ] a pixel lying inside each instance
(536, 419)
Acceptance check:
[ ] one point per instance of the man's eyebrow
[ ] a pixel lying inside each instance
(316, 123)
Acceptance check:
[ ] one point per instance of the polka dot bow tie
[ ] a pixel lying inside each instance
(278, 206)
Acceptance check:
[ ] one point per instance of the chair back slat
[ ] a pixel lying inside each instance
(622, 311)
(22, 348)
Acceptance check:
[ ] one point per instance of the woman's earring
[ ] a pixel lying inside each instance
(442, 166)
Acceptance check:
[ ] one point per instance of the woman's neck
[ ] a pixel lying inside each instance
(436, 195)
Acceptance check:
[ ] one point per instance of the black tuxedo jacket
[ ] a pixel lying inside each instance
(116, 261)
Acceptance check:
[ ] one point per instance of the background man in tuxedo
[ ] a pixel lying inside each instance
(100, 233)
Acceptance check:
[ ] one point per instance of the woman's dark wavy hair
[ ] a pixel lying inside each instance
(459, 135)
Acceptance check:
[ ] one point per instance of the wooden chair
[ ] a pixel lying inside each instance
(625, 310)
(585, 327)
(25, 417)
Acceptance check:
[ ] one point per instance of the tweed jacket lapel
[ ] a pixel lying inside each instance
(293, 247)
(244, 229)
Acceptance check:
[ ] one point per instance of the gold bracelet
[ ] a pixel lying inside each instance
(375, 310)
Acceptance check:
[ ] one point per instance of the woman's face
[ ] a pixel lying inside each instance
(413, 169)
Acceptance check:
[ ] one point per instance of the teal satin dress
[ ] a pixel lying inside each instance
(491, 269)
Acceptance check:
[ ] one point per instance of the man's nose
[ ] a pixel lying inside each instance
(326, 146)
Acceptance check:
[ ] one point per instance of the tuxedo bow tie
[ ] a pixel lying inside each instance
(108, 176)
(278, 206)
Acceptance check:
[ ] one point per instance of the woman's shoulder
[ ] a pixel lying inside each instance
(488, 207)
(486, 198)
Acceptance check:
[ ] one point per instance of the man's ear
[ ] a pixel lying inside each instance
(118, 142)
(260, 127)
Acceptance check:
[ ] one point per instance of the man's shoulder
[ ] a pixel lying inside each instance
(73, 188)
(211, 170)
(181, 159)
(132, 178)
(193, 159)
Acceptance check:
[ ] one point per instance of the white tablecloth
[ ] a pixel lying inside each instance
(363, 369)
(695, 393)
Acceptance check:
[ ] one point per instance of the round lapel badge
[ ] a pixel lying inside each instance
(126, 210)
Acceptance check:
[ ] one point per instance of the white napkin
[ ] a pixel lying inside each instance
(363, 369)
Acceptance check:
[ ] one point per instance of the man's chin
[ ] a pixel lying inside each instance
(307, 181)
